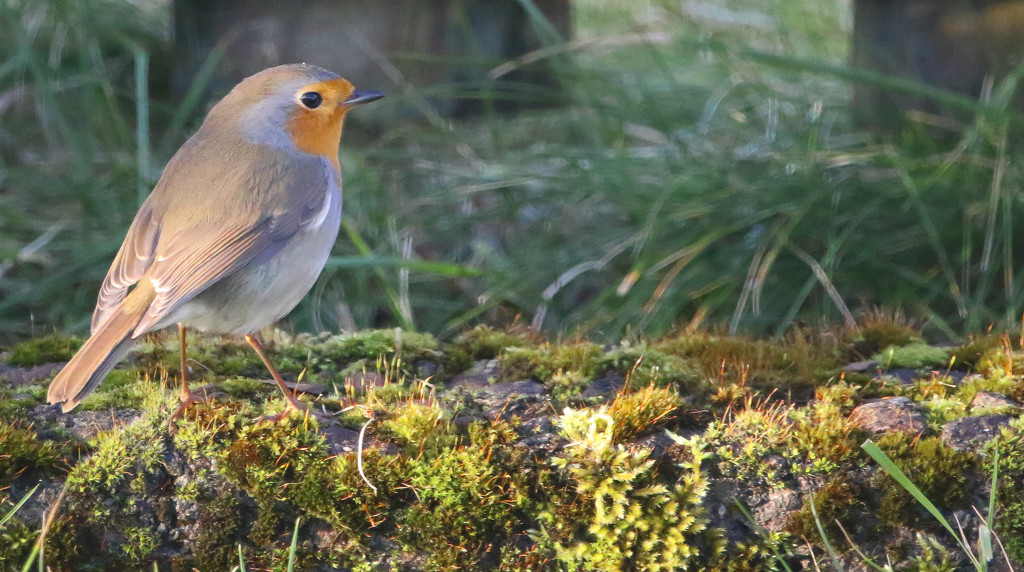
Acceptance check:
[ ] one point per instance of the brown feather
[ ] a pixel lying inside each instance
(101, 352)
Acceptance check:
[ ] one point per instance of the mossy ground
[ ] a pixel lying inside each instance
(564, 473)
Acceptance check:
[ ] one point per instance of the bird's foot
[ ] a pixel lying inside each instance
(188, 398)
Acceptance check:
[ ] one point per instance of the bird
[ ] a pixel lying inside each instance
(236, 230)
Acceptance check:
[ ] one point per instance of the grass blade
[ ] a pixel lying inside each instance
(889, 467)
(291, 550)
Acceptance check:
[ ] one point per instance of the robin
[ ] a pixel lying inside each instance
(236, 230)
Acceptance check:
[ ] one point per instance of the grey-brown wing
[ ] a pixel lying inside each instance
(132, 260)
(197, 257)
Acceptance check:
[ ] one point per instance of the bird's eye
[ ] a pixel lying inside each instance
(311, 99)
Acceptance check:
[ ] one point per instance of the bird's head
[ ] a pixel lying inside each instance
(291, 107)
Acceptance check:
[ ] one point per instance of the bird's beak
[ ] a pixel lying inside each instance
(363, 96)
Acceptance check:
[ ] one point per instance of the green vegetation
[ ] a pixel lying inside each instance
(700, 184)
(460, 484)
(699, 170)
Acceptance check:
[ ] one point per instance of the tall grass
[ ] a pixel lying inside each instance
(700, 166)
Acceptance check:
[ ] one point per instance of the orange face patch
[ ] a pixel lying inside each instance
(318, 130)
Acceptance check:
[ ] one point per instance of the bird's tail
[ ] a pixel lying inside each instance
(101, 352)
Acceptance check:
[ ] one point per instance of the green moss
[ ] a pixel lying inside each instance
(794, 363)
(23, 456)
(879, 329)
(16, 408)
(246, 387)
(217, 533)
(1009, 523)
(913, 356)
(969, 354)
(16, 538)
(938, 471)
(643, 364)
(485, 342)
(45, 349)
(622, 513)
(546, 360)
(372, 344)
(832, 502)
(122, 389)
(464, 500)
(636, 412)
(419, 426)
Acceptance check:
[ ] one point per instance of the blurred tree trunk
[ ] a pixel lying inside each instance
(952, 44)
(378, 44)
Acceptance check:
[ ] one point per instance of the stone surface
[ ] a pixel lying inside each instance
(18, 376)
(862, 366)
(775, 512)
(971, 433)
(86, 424)
(992, 401)
(889, 414)
(481, 374)
(342, 440)
(605, 386)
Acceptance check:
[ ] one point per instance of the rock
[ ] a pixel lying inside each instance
(342, 440)
(862, 366)
(86, 424)
(985, 400)
(425, 368)
(774, 514)
(658, 442)
(889, 414)
(18, 376)
(971, 433)
(523, 387)
(536, 426)
(903, 375)
(481, 374)
(605, 386)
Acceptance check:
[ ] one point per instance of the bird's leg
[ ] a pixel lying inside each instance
(291, 403)
(186, 396)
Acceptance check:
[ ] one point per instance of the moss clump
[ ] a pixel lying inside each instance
(641, 411)
(643, 364)
(123, 388)
(878, 329)
(939, 472)
(546, 360)
(794, 363)
(818, 438)
(623, 515)
(419, 426)
(217, 532)
(832, 502)
(16, 406)
(968, 355)
(913, 356)
(23, 456)
(485, 342)
(16, 538)
(46, 349)
(465, 501)
(1009, 523)
(372, 343)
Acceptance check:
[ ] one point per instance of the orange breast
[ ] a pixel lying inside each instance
(318, 131)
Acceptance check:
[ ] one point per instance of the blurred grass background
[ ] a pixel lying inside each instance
(697, 166)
